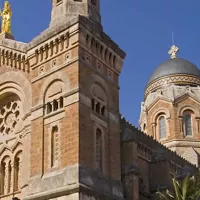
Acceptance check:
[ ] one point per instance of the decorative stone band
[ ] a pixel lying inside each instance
(14, 59)
(183, 143)
(180, 79)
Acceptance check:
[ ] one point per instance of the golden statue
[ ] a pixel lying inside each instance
(6, 18)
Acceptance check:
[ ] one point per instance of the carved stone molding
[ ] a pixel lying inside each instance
(174, 79)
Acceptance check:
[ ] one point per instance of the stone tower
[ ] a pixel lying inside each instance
(63, 10)
(59, 109)
(75, 143)
(170, 112)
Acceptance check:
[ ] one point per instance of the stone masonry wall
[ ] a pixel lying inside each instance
(149, 163)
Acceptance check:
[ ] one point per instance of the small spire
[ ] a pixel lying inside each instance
(173, 51)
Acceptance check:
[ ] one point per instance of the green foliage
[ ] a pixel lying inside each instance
(187, 189)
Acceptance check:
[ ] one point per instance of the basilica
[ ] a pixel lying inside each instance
(61, 134)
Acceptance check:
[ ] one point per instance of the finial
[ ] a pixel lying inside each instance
(6, 15)
(173, 51)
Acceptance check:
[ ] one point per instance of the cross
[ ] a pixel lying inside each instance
(173, 51)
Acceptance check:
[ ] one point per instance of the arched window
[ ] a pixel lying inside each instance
(187, 124)
(16, 174)
(54, 100)
(162, 127)
(99, 100)
(99, 150)
(9, 177)
(6, 176)
(16, 179)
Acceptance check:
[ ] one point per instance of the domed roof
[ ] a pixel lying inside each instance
(174, 66)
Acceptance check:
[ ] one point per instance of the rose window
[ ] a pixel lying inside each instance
(9, 117)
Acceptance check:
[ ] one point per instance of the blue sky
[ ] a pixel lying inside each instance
(142, 28)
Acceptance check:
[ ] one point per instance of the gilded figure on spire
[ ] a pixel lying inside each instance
(6, 18)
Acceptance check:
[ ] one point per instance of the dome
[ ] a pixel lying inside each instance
(174, 66)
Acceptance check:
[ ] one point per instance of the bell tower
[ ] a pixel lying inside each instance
(67, 9)
(75, 145)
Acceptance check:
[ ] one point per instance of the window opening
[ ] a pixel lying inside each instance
(162, 127)
(16, 174)
(98, 108)
(55, 105)
(188, 124)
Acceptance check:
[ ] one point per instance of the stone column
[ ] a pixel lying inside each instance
(12, 177)
(59, 104)
(52, 106)
(6, 179)
(56, 45)
(12, 60)
(10, 169)
(46, 52)
(7, 58)
(19, 62)
(197, 122)
(181, 124)
(153, 129)
(61, 43)
(20, 175)
(51, 48)
(41, 54)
